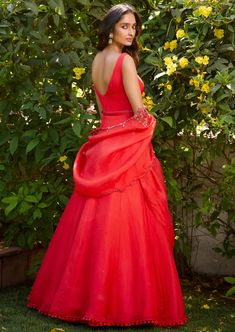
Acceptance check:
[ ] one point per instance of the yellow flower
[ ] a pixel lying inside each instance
(62, 158)
(170, 45)
(178, 19)
(175, 58)
(204, 110)
(204, 11)
(78, 72)
(199, 59)
(201, 98)
(202, 60)
(66, 166)
(166, 45)
(168, 60)
(205, 306)
(219, 33)
(205, 60)
(170, 65)
(205, 87)
(201, 76)
(173, 45)
(180, 33)
(169, 87)
(183, 62)
(171, 68)
(195, 82)
(148, 102)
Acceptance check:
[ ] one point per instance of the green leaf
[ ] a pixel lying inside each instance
(227, 118)
(21, 240)
(42, 205)
(56, 19)
(32, 6)
(78, 44)
(10, 207)
(58, 6)
(30, 239)
(31, 199)
(10, 199)
(230, 280)
(63, 199)
(37, 214)
(63, 121)
(231, 291)
(32, 145)
(76, 128)
(14, 145)
(54, 135)
(168, 120)
(224, 107)
(24, 207)
(84, 2)
(30, 133)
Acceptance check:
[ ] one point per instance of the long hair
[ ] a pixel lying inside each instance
(107, 25)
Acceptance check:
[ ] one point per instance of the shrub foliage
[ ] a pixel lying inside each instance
(47, 110)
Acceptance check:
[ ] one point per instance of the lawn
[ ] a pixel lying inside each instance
(207, 308)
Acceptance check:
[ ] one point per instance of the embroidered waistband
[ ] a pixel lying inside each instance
(118, 112)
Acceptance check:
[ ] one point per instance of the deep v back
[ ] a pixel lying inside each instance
(115, 100)
(110, 80)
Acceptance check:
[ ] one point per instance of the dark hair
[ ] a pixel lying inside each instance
(107, 25)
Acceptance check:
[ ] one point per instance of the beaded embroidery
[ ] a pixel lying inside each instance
(141, 115)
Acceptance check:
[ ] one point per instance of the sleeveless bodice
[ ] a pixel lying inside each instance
(115, 101)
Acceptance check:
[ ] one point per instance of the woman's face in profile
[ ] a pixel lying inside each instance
(125, 30)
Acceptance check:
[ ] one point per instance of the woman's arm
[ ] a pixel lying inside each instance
(131, 84)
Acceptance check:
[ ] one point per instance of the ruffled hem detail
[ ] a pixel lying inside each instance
(93, 322)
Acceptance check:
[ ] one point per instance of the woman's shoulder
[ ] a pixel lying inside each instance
(96, 57)
(128, 64)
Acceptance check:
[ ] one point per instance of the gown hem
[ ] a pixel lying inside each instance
(93, 322)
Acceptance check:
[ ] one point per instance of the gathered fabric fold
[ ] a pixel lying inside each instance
(115, 155)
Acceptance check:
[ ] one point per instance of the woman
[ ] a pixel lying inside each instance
(110, 261)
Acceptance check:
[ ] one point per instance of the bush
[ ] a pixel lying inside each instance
(46, 109)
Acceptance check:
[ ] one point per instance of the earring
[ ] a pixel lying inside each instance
(110, 38)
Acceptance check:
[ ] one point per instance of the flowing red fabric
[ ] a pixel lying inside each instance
(110, 260)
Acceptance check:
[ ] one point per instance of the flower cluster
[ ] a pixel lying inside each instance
(166, 85)
(148, 102)
(171, 63)
(78, 72)
(219, 33)
(63, 159)
(204, 11)
(202, 60)
(199, 84)
(172, 45)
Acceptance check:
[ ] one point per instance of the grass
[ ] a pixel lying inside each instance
(207, 309)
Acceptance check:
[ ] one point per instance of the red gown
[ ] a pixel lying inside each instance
(110, 260)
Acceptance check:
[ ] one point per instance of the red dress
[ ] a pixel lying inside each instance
(110, 260)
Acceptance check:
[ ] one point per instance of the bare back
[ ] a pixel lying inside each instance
(102, 69)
